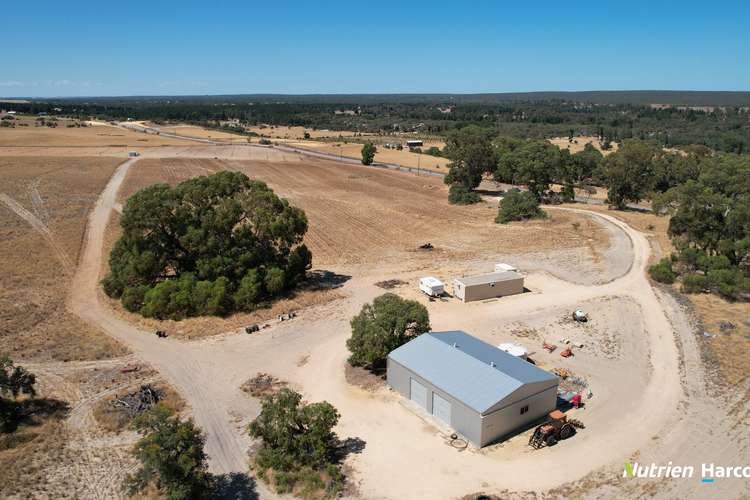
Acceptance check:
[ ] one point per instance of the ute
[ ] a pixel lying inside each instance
(549, 433)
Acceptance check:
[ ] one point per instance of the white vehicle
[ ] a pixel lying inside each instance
(502, 267)
(134, 154)
(431, 286)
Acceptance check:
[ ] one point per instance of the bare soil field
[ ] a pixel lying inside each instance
(44, 203)
(580, 142)
(63, 136)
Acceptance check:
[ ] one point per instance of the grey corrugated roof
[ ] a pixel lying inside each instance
(490, 278)
(465, 371)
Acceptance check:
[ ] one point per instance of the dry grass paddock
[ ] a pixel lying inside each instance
(580, 142)
(63, 136)
(38, 260)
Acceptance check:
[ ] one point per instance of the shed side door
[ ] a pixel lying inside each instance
(441, 408)
(418, 393)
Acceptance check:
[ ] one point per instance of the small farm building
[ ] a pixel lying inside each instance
(488, 286)
(476, 389)
(414, 144)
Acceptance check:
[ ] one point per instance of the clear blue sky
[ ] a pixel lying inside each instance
(86, 48)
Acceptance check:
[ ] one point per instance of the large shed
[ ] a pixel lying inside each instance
(487, 286)
(471, 386)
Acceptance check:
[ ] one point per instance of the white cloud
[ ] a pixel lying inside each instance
(11, 83)
(63, 83)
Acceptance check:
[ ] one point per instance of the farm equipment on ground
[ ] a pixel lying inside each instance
(552, 431)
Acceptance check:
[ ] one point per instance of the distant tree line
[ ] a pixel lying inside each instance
(720, 128)
(209, 246)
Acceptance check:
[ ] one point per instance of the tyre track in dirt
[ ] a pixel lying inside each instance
(41, 228)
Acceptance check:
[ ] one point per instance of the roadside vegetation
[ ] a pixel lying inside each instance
(171, 457)
(382, 326)
(211, 245)
(368, 153)
(298, 451)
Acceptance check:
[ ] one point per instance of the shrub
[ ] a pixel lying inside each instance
(459, 194)
(133, 297)
(249, 291)
(694, 283)
(519, 205)
(662, 272)
(368, 153)
(274, 280)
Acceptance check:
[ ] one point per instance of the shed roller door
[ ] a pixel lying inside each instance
(441, 408)
(418, 394)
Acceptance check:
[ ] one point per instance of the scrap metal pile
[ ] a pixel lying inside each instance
(139, 401)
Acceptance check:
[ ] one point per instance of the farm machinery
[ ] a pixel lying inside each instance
(555, 429)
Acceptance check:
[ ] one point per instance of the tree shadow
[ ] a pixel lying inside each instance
(30, 412)
(348, 446)
(234, 486)
(320, 279)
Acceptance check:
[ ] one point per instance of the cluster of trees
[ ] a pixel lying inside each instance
(476, 152)
(298, 446)
(710, 227)
(14, 381)
(208, 246)
(382, 326)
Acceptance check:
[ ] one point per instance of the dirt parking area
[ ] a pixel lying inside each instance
(44, 203)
